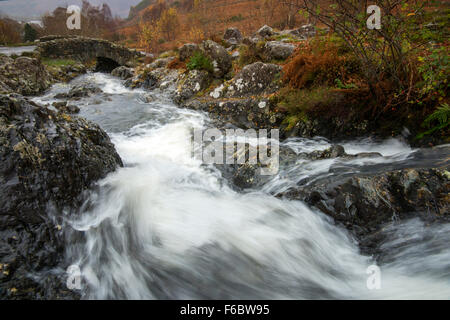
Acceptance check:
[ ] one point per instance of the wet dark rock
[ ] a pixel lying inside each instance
(248, 175)
(243, 113)
(154, 78)
(365, 203)
(332, 129)
(123, 73)
(23, 75)
(336, 151)
(64, 107)
(80, 91)
(48, 160)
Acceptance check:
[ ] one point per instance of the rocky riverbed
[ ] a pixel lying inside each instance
(98, 173)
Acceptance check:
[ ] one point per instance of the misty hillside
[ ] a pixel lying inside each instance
(35, 8)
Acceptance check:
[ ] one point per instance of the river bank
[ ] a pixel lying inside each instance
(166, 226)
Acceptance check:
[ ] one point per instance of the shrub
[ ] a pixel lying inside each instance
(438, 120)
(318, 64)
(435, 73)
(301, 102)
(251, 54)
(176, 64)
(200, 62)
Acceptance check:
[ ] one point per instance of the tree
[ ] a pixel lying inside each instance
(382, 52)
(168, 24)
(9, 31)
(148, 35)
(30, 34)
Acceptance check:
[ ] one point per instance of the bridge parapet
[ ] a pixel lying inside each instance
(86, 49)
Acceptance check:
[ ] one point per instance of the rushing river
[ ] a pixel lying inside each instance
(167, 227)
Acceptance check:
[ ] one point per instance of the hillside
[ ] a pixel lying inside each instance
(209, 18)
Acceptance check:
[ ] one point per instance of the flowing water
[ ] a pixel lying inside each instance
(167, 227)
(16, 50)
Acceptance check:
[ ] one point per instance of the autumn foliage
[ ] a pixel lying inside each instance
(9, 31)
(317, 63)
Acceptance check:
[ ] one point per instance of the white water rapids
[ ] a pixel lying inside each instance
(167, 227)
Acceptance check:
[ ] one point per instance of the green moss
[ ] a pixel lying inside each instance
(288, 37)
(58, 62)
(168, 54)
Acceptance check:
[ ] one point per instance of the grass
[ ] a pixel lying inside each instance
(299, 102)
(58, 62)
(16, 45)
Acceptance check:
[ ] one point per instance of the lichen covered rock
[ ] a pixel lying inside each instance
(190, 84)
(278, 50)
(255, 79)
(123, 73)
(219, 56)
(23, 75)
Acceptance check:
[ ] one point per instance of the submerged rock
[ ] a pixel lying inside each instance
(48, 160)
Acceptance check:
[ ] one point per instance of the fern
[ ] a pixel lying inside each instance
(441, 116)
(200, 62)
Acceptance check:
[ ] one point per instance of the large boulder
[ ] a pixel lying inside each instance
(150, 78)
(187, 50)
(48, 160)
(278, 50)
(219, 56)
(23, 75)
(255, 79)
(306, 31)
(190, 84)
(248, 113)
(82, 90)
(364, 203)
(67, 72)
(160, 63)
(265, 32)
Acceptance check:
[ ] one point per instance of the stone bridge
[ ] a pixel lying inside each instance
(107, 54)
